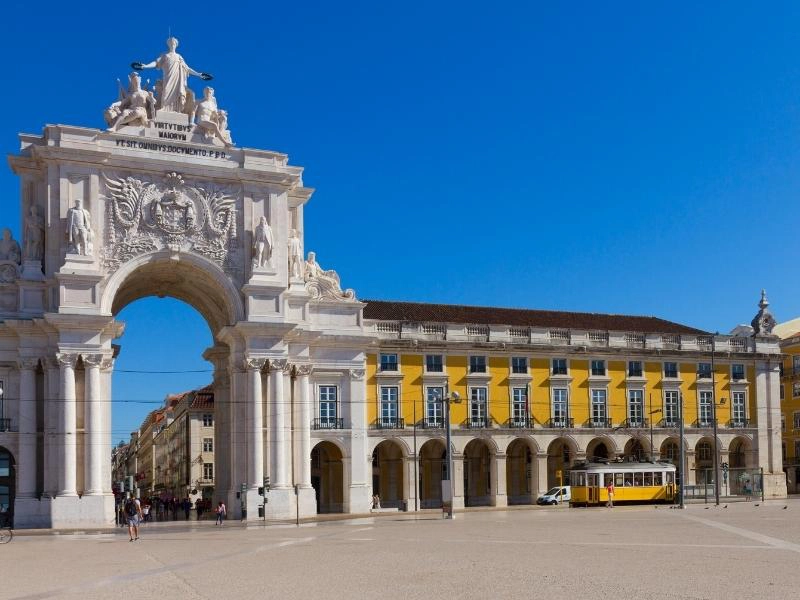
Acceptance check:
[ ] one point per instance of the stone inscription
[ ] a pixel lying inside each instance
(173, 131)
(170, 149)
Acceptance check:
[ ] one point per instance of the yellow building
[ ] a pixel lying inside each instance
(541, 390)
(790, 410)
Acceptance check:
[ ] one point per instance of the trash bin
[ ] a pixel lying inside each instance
(260, 511)
(404, 506)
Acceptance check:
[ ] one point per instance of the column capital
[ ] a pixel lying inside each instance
(67, 359)
(25, 363)
(278, 364)
(303, 370)
(357, 374)
(92, 360)
(254, 363)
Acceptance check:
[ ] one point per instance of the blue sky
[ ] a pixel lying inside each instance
(609, 157)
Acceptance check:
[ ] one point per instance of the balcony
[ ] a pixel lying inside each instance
(389, 423)
(560, 423)
(703, 423)
(670, 423)
(5, 425)
(598, 423)
(431, 423)
(524, 422)
(636, 423)
(738, 423)
(478, 423)
(328, 423)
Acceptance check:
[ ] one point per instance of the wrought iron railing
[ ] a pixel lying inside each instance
(328, 423)
(671, 423)
(524, 422)
(389, 423)
(478, 422)
(560, 423)
(596, 423)
(738, 423)
(431, 423)
(636, 422)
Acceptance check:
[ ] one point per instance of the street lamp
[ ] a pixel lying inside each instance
(681, 451)
(446, 400)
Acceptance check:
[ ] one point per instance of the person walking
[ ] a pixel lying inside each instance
(221, 513)
(610, 492)
(133, 513)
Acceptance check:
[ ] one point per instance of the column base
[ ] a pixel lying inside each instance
(64, 512)
(359, 499)
(775, 485)
(500, 500)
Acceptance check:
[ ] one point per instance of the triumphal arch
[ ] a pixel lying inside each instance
(163, 202)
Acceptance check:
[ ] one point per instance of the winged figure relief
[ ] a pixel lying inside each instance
(127, 197)
(220, 214)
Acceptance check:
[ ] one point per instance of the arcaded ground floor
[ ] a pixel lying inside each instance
(747, 550)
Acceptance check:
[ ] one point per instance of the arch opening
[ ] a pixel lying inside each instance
(327, 477)
(520, 472)
(387, 474)
(560, 458)
(479, 466)
(7, 487)
(432, 459)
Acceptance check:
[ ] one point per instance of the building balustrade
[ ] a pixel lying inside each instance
(431, 423)
(636, 422)
(5, 425)
(520, 422)
(598, 423)
(560, 423)
(669, 423)
(738, 423)
(478, 422)
(703, 423)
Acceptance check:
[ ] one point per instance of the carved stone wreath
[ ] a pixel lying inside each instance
(147, 215)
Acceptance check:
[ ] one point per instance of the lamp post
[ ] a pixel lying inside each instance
(446, 400)
(714, 424)
(681, 451)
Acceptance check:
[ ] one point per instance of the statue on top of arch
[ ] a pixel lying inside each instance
(139, 104)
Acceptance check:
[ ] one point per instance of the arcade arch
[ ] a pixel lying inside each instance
(7, 486)
(327, 477)
(387, 474)
(520, 472)
(561, 455)
(432, 456)
(480, 471)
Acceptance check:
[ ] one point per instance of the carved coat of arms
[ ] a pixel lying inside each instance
(144, 216)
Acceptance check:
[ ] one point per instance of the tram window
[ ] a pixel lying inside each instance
(658, 478)
(628, 479)
(618, 479)
(607, 479)
(670, 477)
(581, 479)
(638, 479)
(648, 479)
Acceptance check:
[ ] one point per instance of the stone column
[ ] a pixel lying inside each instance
(498, 478)
(94, 452)
(411, 483)
(540, 482)
(255, 400)
(458, 480)
(280, 406)
(27, 467)
(68, 424)
(360, 459)
(304, 424)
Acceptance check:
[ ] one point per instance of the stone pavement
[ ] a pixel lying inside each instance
(541, 552)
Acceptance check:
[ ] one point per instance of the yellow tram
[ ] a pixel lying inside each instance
(633, 482)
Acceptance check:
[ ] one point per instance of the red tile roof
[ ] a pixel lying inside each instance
(203, 398)
(382, 310)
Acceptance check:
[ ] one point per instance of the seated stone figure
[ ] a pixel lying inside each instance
(210, 120)
(9, 248)
(324, 284)
(136, 107)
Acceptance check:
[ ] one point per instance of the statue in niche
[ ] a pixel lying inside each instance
(210, 120)
(79, 230)
(135, 107)
(34, 234)
(262, 243)
(295, 256)
(324, 284)
(9, 248)
(172, 89)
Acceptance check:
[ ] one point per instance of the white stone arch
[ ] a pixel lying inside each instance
(185, 276)
(609, 441)
(462, 444)
(529, 440)
(405, 449)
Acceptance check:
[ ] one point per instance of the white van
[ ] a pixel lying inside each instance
(556, 495)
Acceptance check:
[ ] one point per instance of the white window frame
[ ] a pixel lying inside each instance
(485, 364)
(327, 417)
(208, 471)
(796, 420)
(795, 364)
(677, 369)
(519, 415)
(595, 416)
(559, 418)
(478, 407)
(744, 372)
(389, 420)
(527, 365)
(380, 362)
(208, 444)
(591, 367)
(208, 422)
(641, 368)
(434, 409)
(671, 406)
(705, 404)
(706, 374)
(444, 364)
(633, 419)
(796, 389)
(739, 407)
(552, 369)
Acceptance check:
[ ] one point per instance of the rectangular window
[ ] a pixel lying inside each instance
(477, 406)
(671, 408)
(208, 420)
(477, 364)
(208, 471)
(796, 389)
(636, 407)
(519, 364)
(560, 407)
(599, 411)
(388, 362)
(389, 396)
(434, 411)
(634, 368)
(671, 370)
(599, 368)
(705, 408)
(783, 422)
(208, 444)
(559, 366)
(434, 363)
(783, 393)
(519, 406)
(704, 370)
(737, 371)
(797, 449)
(327, 405)
(738, 408)
(796, 420)
(796, 364)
